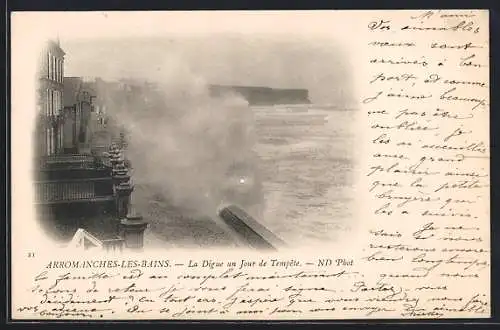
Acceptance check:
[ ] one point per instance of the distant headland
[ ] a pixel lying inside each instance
(259, 95)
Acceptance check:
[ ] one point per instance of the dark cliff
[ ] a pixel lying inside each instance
(256, 95)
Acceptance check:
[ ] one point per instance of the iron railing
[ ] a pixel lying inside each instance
(64, 191)
(69, 161)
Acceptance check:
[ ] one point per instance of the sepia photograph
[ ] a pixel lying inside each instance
(250, 165)
(219, 140)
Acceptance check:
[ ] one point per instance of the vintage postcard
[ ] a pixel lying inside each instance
(250, 165)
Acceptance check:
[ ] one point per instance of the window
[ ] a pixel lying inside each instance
(52, 140)
(55, 109)
(59, 102)
(55, 103)
(53, 68)
(54, 143)
(51, 102)
(58, 70)
(58, 139)
(61, 137)
(48, 65)
(47, 103)
(47, 142)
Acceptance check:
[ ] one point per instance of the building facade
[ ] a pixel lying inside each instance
(80, 197)
(49, 131)
(78, 108)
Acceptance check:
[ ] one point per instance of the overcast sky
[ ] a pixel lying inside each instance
(281, 61)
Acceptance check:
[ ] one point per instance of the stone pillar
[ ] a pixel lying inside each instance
(114, 155)
(132, 225)
(120, 174)
(123, 191)
(121, 183)
(132, 230)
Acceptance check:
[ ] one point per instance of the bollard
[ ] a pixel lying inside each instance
(114, 157)
(119, 175)
(248, 229)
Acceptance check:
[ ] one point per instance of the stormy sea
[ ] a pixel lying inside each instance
(305, 155)
(306, 164)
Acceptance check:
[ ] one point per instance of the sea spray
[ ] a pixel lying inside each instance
(189, 148)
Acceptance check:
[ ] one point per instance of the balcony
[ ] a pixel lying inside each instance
(67, 178)
(76, 190)
(69, 162)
